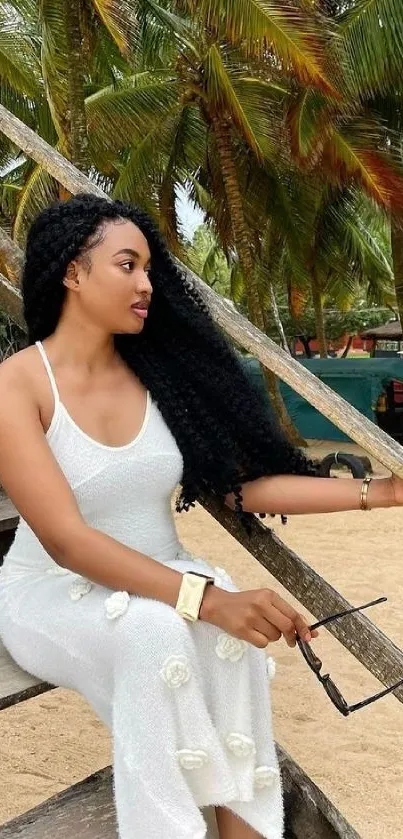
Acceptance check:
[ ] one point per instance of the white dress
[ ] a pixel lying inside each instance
(187, 705)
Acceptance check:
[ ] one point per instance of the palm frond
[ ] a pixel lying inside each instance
(162, 36)
(55, 56)
(145, 160)
(307, 118)
(116, 115)
(293, 34)
(118, 17)
(352, 247)
(222, 97)
(38, 192)
(263, 104)
(102, 58)
(351, 156)
(371, 33)
(19, 60)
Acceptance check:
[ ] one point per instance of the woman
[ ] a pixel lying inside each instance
(127, 389)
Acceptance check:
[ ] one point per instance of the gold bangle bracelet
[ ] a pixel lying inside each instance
(364, 493)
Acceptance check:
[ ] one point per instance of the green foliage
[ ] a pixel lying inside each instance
(338, 324)
(313, 106)
(205, 257)
(12, 338)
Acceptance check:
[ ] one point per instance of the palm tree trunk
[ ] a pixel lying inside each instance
(277, 318)
(222, 136)
(347, 347)
(397, 255)
(78, 137)
(319, 316)
(223, 141)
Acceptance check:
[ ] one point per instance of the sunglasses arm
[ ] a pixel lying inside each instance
(374, 698)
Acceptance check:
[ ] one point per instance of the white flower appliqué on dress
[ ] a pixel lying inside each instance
(192, 758)
(175, 671)
(265, 776)
(116, 604)
(79, 588)
(271, 667)
(240, 744)
(230, 647)
(58, 571)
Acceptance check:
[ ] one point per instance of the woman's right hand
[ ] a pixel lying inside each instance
(259, 617)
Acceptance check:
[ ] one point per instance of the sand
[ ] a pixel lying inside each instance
(54, 740)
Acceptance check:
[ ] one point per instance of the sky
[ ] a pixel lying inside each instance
(189, 217)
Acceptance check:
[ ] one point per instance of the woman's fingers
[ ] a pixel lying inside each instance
(259, 639)
(284, 624)
(294, 621)
(266, 627)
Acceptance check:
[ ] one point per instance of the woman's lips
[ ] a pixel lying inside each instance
(142, 313)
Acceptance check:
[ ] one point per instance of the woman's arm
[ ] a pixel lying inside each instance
(297, 494)
(36, 484)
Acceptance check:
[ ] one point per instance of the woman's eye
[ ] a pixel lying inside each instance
(130, 265)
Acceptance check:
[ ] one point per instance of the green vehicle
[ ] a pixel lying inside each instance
(373, 385)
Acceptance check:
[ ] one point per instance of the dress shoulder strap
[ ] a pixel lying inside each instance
(49, 372)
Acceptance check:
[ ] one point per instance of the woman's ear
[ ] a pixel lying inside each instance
(71, 277)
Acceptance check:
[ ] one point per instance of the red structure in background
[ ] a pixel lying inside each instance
(358, 343)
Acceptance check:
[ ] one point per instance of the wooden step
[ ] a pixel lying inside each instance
(87, 810)
(15, 684)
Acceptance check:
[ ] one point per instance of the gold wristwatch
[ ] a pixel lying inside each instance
(191, 594)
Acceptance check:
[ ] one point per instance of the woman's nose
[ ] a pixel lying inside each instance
(144, 283)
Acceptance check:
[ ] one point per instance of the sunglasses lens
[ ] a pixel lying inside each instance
(334, 694)
(309, 655)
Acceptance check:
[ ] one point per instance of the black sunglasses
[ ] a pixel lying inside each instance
(316, 665)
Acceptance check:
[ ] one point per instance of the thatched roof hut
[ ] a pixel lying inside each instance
(390, 331)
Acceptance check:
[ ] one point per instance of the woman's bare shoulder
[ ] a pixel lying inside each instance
(19, 369)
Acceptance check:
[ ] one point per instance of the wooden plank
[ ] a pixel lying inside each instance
(309, 813)
(11, 300)
(375, 441)
(13, 258)
(15, 684)
(87, 810)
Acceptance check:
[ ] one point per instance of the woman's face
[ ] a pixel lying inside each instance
(113, 288)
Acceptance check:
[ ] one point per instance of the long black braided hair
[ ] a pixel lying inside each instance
(223, 429)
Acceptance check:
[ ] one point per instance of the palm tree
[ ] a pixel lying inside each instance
(205, 111)
(371, 46)
(204, 106)
(56, 52)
